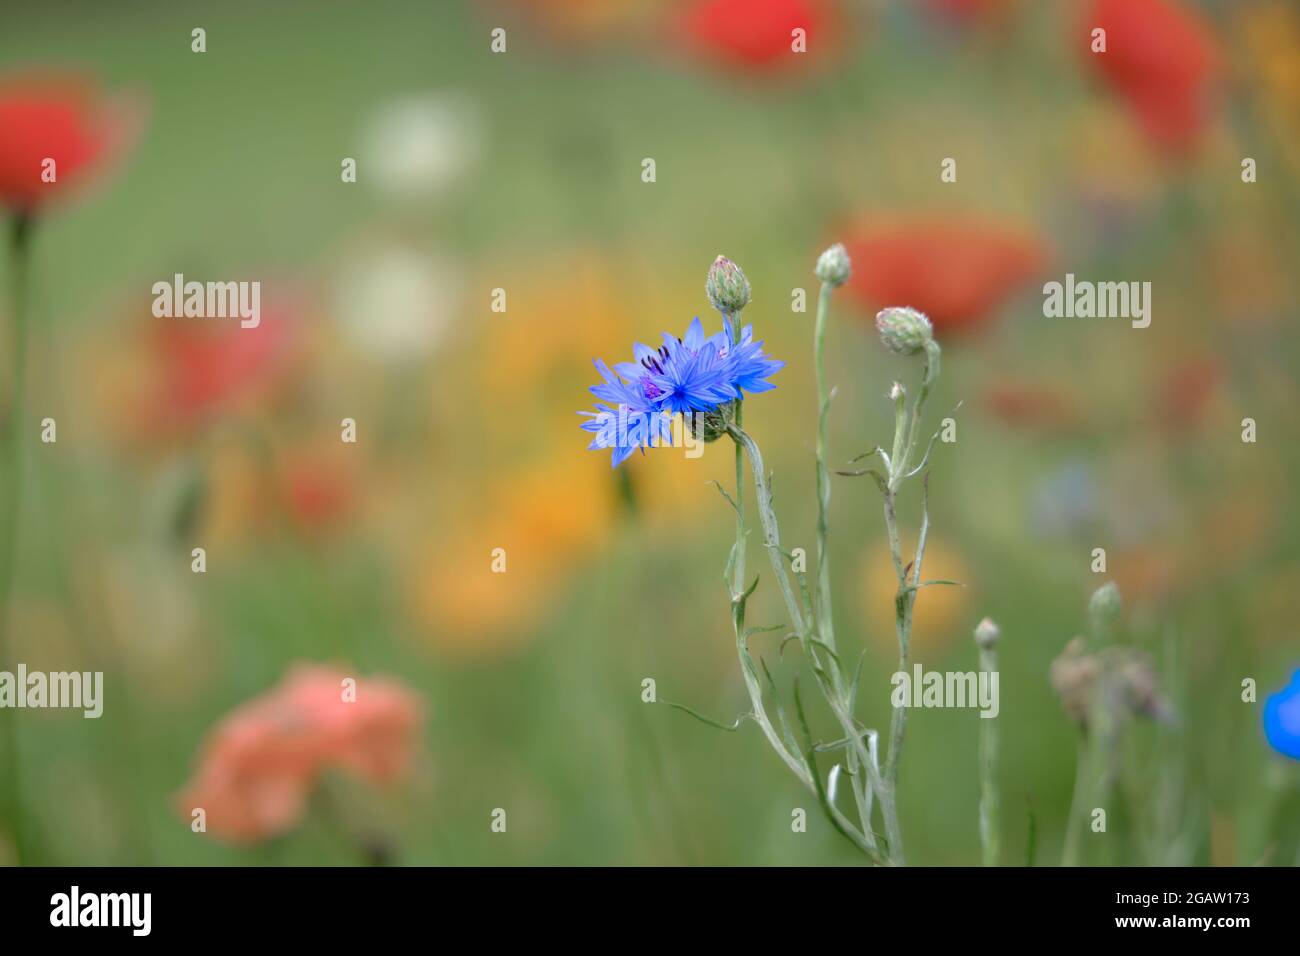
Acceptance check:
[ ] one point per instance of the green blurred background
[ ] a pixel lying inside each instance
(522, 172)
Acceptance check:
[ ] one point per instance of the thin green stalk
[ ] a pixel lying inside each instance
(905, 605)
(928, 376)
(906, 430)
(989, 771)
(825, 617)
(902, 631)
(1093, 778)
(826, 627)
(1074, 822)
(20, 250)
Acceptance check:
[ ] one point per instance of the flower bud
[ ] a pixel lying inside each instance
(706, 426)
(987, 634)
(833, 266)
(726, 286)
(905, 331)
(1104, 606)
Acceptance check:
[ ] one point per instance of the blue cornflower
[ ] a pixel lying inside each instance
(747, 366)
(684, 376)
(626, 420)
(690, 377)
(1282, 719)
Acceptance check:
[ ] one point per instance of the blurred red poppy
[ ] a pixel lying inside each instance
(56, 131)
(204, 366)
(758, 35)
(958, 272)
(1162, 59)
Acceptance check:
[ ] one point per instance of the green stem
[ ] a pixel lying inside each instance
(825, 617)
(902, 630)
(928, 376)
(1074, 822)
(906, 429)
(20, 251)
(826, 627)
(989, 771)
(1092, 782)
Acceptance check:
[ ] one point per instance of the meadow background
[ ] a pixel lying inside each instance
(522, 171)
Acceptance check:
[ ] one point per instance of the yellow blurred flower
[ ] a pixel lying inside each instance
(485, 585)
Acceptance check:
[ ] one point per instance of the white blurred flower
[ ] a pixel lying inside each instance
(395, 302)
(421, 146)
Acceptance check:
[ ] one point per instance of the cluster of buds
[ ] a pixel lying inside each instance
(1120, 679)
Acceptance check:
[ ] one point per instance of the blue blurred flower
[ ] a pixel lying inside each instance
(692, 374)
(1282, 719)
